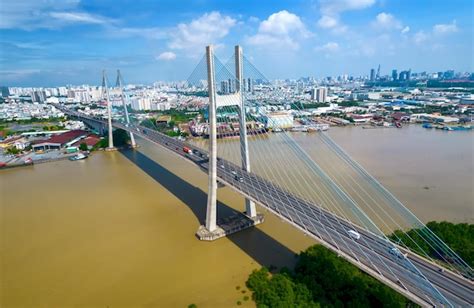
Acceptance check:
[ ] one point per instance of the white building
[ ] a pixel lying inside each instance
(319, 94)
(281, 120)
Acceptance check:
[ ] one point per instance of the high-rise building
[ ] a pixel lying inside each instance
(224, 87)
(5, 92)
(449, 74)
(319, 94)
(372, 74)
(38, 96)
(249, 85)
(394, 74)
(378, 73)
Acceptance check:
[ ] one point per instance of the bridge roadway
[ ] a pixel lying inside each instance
(371, 253)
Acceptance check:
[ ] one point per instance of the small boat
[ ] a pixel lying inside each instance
(78, 156)
(427, 125)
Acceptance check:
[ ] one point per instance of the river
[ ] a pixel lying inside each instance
(118, 229)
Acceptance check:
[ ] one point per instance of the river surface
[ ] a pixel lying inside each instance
(117, 229)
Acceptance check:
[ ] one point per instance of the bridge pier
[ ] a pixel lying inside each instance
(213, 229)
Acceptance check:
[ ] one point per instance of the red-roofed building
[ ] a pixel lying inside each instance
(90, 141)
(59, 141)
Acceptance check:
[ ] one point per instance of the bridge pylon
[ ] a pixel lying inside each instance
(212, 230)
(106, 96)
(124, 99)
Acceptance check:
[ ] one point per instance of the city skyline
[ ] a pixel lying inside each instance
(70, 42)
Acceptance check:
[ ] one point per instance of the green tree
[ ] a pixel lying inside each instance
(121, 137)
(459, 237)
(83, 147)
(13, 150)
(321, 278)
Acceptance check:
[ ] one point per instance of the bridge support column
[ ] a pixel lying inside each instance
(109, 112)
(212, 230)
(250, 209)
(124, 104)
(211, 212)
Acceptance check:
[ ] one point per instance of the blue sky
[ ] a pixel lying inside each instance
(58, 42)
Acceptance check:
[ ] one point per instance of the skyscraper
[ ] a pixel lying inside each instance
(319, 94)
(372, 74)
(394, 74)
(378, 73)
(250, 85)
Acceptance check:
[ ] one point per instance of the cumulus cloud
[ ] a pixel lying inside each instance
(386, 21)
(406, 29)
(331, 10)
(328, 22)
(280, 29)
(166, 56)
(445, 28)
(207, 29)
(328, 47)
(436, 33)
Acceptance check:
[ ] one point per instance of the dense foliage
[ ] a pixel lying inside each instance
(120, 136)
(321, 278)
(460, 237)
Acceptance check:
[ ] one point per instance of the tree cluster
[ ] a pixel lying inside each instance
(321, 278)
(459, 237)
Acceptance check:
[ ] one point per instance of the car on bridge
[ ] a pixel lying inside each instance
(354, 234)
(397, 253)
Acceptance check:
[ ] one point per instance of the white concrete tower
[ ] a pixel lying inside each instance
(250, 209)
(211, 230)
(105, 92)
(124, 104)
(211, 212)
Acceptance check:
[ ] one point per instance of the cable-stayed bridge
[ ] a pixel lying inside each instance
(287, 180)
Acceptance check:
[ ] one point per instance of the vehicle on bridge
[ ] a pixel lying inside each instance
(397, 253)
(354, 234)
(187, 150)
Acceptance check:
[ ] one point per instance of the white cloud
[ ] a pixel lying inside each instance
(334, 7)
(328, 47)
(445, 28)
(420, 37)
(331, 10)
(406, 29)
(166, 56)
(327, 22)
(152, 33)
(386, 21)
(280, 29)
(79, 17)
(205, 30)
(35, 14)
